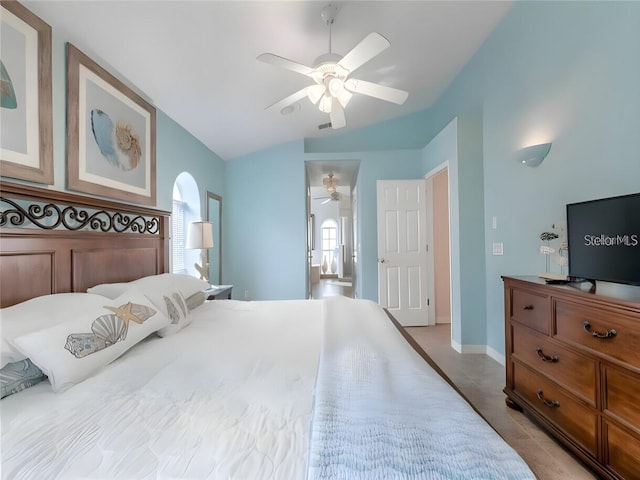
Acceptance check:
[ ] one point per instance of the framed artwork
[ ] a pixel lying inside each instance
(26, 116)
(111, 134)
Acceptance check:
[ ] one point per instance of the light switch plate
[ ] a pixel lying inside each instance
(498, 248)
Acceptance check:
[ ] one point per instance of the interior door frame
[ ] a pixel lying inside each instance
(310, 240)
(212, 197)
(429, 177)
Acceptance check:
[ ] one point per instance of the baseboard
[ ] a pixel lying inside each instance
(497, 356)
(483, 349)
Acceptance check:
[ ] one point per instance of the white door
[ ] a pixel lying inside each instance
(402, 250)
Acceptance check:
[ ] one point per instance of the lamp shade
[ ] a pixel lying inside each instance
(200, 235)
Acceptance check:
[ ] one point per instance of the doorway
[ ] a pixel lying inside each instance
(438, 223)
(331, 249)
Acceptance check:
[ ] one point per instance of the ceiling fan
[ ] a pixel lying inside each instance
(333, 197)
(330, 183)
(331, 72)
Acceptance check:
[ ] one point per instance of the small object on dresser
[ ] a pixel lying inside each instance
(219, 292)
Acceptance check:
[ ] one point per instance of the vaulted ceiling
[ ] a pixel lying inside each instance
(196, 60)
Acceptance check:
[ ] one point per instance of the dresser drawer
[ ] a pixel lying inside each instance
(621, 396)
(531, 309)
(575, 372)
(576, 419)
(577, 324)
(622, 452)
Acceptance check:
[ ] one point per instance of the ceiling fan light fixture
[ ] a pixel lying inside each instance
(330, 183)
(335, 86)
(325, 103)
(315, 92)
(332, 74)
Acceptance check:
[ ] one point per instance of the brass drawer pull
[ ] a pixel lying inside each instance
(608, 334)
(528, 307)
(546, 358)
(548, 403)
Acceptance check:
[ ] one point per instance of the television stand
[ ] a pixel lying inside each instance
(557, 277)
(573, 365)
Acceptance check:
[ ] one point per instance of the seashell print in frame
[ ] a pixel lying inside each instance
(111, 134)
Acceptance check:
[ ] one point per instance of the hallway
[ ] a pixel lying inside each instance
(330, 287)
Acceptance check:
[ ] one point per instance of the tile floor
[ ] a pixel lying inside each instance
(481, 379)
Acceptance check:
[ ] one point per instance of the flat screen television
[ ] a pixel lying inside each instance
(604, 239)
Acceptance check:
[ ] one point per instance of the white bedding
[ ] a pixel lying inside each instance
(231, 396)
(381, 412)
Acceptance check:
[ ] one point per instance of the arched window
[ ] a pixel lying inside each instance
(185, 209)
(178, 227)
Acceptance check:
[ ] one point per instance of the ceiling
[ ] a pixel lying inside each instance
(196, 60)
(345, 172)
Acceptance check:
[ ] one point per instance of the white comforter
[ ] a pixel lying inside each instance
(232, 395)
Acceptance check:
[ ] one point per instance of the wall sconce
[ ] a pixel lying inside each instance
(534, 155)
(200, 236)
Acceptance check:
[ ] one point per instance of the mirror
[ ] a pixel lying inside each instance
(214, 215)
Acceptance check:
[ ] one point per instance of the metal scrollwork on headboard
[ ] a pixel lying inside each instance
(51, 216)
(33, 208)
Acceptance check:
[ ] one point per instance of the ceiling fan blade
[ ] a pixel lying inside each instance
(293, 98)
(284, 63)
(369, 47)
(337, 115)
(376, 90)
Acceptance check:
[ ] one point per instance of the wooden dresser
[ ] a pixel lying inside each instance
(573, 363)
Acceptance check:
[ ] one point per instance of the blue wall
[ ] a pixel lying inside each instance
(265, 224)
(573, 82)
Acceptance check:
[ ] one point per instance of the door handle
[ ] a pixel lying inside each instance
(381, 260)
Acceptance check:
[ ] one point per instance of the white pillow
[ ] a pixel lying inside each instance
(109, 290)
(173, 305)
(37, 314)
(71, 352)
(186, 284)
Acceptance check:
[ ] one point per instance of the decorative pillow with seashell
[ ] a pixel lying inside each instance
(173, 304)
(39, 313)
(71, 352)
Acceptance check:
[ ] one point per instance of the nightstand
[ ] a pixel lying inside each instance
(219, 292)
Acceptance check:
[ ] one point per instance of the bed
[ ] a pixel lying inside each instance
(293, 389)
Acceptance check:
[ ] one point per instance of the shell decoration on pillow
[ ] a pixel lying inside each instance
(108, 329)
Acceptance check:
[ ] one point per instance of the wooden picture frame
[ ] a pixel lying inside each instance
(111, 134)
(26, 111)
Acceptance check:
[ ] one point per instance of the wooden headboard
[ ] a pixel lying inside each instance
(53, 242)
